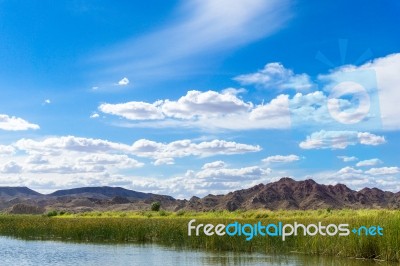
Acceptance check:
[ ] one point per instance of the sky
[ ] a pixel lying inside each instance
(199, 97)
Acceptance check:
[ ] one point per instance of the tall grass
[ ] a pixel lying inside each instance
(170, 228)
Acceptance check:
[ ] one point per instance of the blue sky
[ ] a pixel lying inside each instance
(196, 97)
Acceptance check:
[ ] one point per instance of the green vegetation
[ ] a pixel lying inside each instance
(170, 228)
(155, 206)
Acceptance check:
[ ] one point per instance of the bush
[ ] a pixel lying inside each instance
(51, 213)
(155, 206)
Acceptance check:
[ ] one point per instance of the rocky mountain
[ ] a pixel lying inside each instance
(283, 194)
(290, 194)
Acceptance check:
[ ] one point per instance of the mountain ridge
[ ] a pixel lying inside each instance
(285, 193)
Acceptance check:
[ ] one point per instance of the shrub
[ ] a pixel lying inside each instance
(155, 206)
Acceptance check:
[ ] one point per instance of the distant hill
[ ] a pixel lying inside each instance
(105, 191)
(283, 194)
(17, 192)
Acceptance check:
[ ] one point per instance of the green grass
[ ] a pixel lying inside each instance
(170, 228)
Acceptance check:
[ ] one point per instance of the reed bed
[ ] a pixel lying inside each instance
(171, 228)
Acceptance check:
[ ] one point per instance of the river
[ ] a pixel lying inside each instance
(32, 252)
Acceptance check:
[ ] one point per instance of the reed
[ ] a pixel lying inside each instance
(170, 228)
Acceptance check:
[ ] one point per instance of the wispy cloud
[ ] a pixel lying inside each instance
(281, 158)
(370, 162)
(198, 29)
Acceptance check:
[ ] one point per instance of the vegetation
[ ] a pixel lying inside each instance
(155, 206)
(170, 228)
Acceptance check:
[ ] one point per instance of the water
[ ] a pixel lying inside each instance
(21, 252)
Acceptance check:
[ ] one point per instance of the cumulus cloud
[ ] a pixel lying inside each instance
(13, 123)
(276, 76)
(340, 139)
(208, 110)
(281, 158)
(347, 158)
(370, 162)
(277, 109)
(209, 103)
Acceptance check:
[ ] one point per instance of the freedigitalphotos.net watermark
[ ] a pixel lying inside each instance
(280, 229)
(349, 99)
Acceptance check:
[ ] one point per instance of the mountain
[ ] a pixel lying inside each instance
(104, 191)
(285, 193)
(18, 192)
(298, 195)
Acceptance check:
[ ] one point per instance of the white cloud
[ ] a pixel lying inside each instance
(94, 115)
(122, 161)
(370, 139)
(232, 174)
(339, 139)
(47, 101)
(55, 145)
(134, 110)
(204, 104)
(123, 82)
(277, 109)
(347, 158)
(183, 148)
(65, 169)
(13, 123)
(163, 161)
(219, 27)
(141, 148)
(208, 110)
(370, 162)
(276, 76)
(214, 165)
(383, 171)
(281, 158)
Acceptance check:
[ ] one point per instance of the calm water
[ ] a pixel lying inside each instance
(20, 252)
